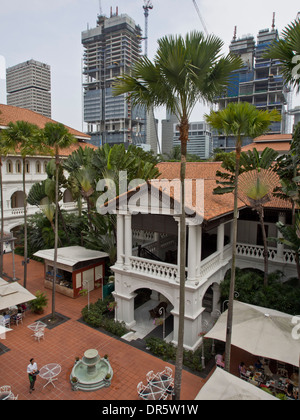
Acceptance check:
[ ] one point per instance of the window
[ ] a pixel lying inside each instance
(18, 167)
(9, 167)
(38, 167)
(27, 167)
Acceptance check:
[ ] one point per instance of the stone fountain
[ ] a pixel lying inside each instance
(91, 372)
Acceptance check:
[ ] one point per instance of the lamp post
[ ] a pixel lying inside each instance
(162, 312)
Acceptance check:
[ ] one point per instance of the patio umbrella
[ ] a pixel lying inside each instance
(222, 386)
(12, 294)
(3, 330)
(260, 331)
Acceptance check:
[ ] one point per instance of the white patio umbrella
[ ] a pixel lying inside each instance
(222, 386)
(260, 331)
(12, 294)
(3, 331)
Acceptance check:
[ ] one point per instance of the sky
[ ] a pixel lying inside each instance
(50, 31)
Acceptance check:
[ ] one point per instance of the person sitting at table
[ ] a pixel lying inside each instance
(258, 365)
(220, 361)
(242, 369)
(289, 389)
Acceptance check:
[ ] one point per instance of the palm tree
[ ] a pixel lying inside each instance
(239, 119)
(56, 136)
(257, 181)
(291, 238)
(23, 135)
(184, 71)
(255, 190)
(287, 51)
(4, 150)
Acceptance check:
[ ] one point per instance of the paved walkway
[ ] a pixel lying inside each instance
(69, 340)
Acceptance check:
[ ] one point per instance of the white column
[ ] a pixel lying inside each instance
(192, 252)
(220, 240)
(280, 246)
(120, 239)
(128, 240)
(199, 251)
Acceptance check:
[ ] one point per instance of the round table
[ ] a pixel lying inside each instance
(50, 373)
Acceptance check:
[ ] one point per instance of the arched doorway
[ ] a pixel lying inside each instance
(152, 314)
(17, 200)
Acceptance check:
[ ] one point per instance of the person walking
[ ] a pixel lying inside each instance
(32, 371)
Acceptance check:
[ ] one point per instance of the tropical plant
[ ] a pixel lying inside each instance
(255, 190)
(240, 120)
(287, 51)
(184, 71)
(22, 135)
(290, 236)
(4, 150)
(39, 303)
(56, 136)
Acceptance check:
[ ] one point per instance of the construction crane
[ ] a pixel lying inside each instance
(147, 6)
(201, 18)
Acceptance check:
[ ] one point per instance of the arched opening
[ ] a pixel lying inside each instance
(67, 198)
(152, 314)
(17, 200)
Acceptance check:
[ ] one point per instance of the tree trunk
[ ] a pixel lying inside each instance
(265, 240)
(2, 221)
(25, 224)
(184, 128)
(56, 234)
(233, 266)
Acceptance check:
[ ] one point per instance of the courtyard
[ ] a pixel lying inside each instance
(63, 343)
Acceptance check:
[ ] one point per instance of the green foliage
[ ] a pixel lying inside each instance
(167, 352)
(280, 296)
(95, 316)
(37, 305)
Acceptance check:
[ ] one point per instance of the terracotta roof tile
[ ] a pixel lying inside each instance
(13, 114)
(278, 146)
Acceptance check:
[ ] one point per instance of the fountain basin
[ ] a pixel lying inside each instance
(92, 372)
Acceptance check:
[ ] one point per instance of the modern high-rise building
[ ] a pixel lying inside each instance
(28, 86)
(110, 50)
(258, 82)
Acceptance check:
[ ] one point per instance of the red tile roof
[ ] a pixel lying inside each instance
(13, 114)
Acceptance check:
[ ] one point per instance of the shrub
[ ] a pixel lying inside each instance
(37, 305)
(95, 316)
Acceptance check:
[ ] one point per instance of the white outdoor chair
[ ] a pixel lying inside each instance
(150, 375)
(168, 371)
(5, 388)
(140, 387)
(39, 334)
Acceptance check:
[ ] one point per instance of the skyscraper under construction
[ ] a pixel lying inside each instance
(110, 49)
(258, 82)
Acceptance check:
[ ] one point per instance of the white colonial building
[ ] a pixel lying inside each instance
(148, 248)
(12, 169)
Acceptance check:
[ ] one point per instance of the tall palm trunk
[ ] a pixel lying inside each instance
(25, 223)
(2, 221)
(233, 266)
(183, 128)
(265, 241)
(56, 233)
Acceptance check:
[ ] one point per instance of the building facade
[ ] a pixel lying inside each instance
(110, 50)
(28, 86)
(258, 82)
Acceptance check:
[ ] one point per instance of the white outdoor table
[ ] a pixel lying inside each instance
(49, 372)
(37, 326)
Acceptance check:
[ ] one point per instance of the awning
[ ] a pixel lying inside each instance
(12, 294)
(222, 386)
(261, 331)
(71, 255)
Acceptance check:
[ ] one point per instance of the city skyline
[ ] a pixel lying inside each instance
(51, 31)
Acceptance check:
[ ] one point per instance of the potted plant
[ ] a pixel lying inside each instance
(74, 383)
(76, 360)
(37, 305)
